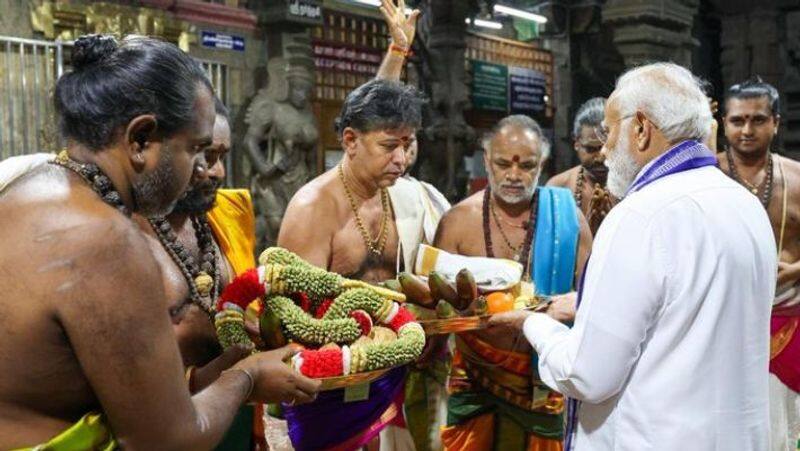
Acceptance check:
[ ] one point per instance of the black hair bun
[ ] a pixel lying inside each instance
(91, 48)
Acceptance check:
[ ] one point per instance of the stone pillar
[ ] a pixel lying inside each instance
(764, 40)
(646, 32)
(791, 82)
(750, 45)
(442, 46)
(562, 154)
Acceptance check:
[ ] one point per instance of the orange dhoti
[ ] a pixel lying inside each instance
(497, 403)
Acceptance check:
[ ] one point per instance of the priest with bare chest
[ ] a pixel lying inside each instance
(347, 222)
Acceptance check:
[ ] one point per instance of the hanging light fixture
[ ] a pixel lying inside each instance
(538, 18)
(485, 23)
(377, 3)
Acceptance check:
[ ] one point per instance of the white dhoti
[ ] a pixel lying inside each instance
(784, 416)
(784, 403)
(418, 207)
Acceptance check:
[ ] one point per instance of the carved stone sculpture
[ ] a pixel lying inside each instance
(280, 143)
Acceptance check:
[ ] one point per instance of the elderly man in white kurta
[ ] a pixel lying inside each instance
(670, 345)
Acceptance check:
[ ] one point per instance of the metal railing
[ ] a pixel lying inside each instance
(28, 72)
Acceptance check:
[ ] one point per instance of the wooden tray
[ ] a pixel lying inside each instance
(461, 323)
(333, 383)
(454, 325)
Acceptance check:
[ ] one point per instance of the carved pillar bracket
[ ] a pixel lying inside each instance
(652, 31)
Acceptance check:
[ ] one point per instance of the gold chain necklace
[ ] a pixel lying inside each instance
(375, 247)
(515, 249)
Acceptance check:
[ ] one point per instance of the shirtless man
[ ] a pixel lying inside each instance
(512, 219)
(751, 123)
(85, 328)
(343, 220)
(206, 214)
(587, 181)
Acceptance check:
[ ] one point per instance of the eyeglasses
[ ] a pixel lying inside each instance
(602, 131)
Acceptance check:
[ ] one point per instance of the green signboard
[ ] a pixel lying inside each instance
(489, 86)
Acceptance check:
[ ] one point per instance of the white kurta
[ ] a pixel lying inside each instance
(670, 345)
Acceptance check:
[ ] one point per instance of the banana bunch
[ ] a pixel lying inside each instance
(448, 300)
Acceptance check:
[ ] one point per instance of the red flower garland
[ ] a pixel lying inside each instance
(242, 290)
(302, 300)
(323, 308)
(326, 363)
(402, 317)
(363, 319)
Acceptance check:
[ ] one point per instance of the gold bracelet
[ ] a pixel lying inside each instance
(249, 378)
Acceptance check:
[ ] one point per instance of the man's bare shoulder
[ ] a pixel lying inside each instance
(790, 166)
(316, 196)
(61, 231)
(466, 211)
(563, 179)
(791, 170)
(311, 216)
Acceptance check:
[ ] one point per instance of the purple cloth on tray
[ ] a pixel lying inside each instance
(329, 421)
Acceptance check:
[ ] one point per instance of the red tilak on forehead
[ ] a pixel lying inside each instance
(515, 158)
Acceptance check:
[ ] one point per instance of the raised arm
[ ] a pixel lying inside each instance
(111, 308)
(402, 29)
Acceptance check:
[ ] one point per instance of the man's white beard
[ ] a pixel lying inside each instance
(525, 196)
(622, 168)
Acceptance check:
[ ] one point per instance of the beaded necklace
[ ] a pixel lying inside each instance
(767, 184)
(97, 180)
(203, 279)
(202, 286)
(599, 206)
(524, 251)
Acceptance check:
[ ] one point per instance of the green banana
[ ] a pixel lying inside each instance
(441, 288)
(445, 310)
(415, 290)
(478, 307)
(466, 288)
(393, 284)
(271, 332)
